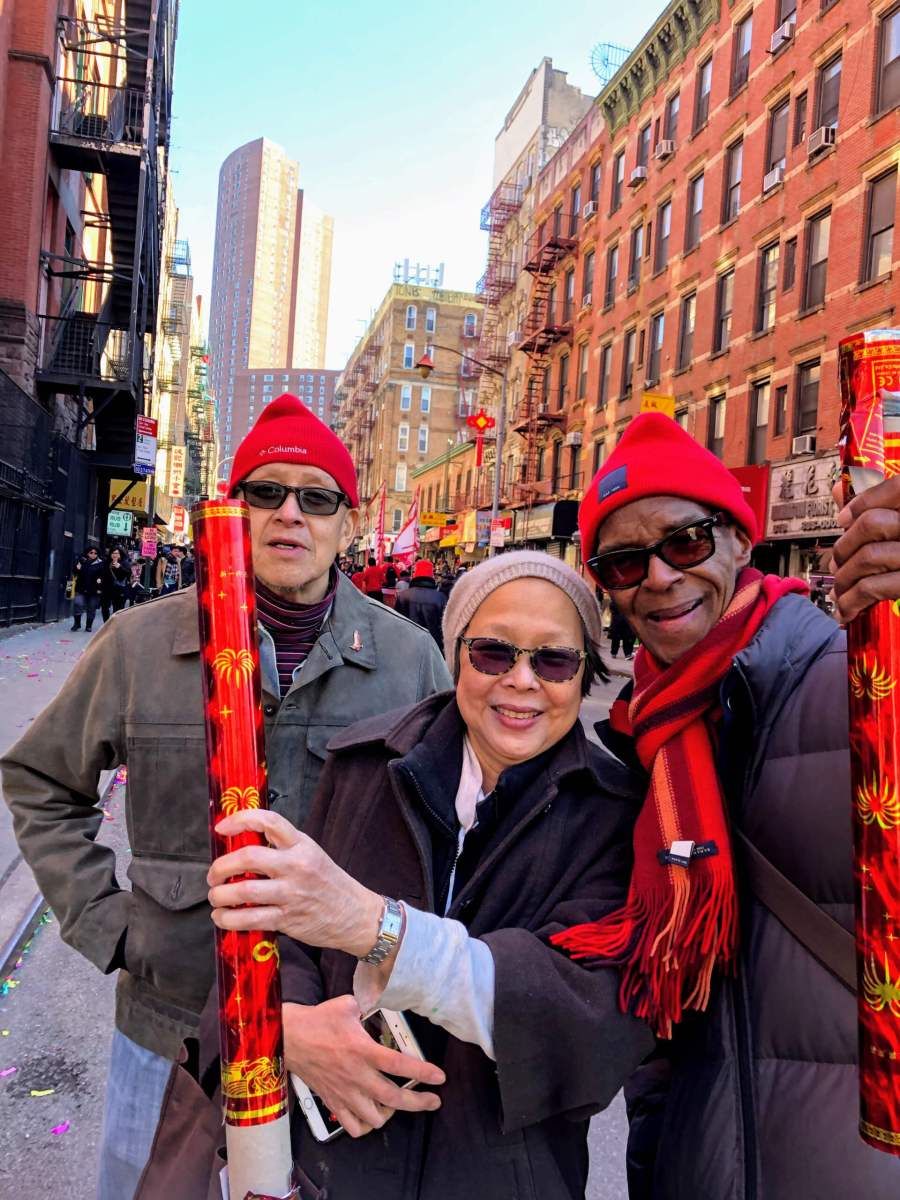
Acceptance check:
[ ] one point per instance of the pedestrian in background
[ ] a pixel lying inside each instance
(403, 578)
(422, 602)
(188, 567)
(89, 572)
(168, 571)
(373, 580)
(620, 632)
(328, 657)
(116, 583)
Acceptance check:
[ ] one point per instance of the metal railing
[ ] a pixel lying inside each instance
(99, 112)
(80, 346)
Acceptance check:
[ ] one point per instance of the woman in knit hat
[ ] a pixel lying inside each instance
(447, 843)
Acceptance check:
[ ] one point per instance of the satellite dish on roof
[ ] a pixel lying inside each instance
(606, 58)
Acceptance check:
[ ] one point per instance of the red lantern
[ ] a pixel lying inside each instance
(481, 422)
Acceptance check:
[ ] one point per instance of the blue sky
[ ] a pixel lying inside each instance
(390, 109)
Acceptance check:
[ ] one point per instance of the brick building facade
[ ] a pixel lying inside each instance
(743, 188)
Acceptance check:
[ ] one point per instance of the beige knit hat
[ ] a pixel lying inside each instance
(476, 585)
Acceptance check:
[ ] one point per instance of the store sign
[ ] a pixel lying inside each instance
(500, 531)
(800, 500)
(657, 402)
(469, 527)
(483, 528)
(754, 483)
(145, 446)
(119, 523)
(134, 500)
(179, 519)
(434, 534)
(535, 523)
(149, 541)
(176, 472)
(436, 518)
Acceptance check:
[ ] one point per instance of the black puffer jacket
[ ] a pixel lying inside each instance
(757, 1100)
(424, 604)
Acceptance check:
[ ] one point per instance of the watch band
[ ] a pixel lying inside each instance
(389, 930)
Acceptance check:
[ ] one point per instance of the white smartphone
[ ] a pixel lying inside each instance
(392, 1030)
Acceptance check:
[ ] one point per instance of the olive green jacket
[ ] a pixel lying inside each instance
(135, 698)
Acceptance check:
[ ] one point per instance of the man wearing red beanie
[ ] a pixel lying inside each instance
(329, 657)
(423, 603)
(735, 935)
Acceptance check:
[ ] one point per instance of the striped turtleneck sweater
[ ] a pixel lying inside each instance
(294, 628)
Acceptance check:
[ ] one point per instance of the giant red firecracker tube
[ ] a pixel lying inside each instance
(870, 450)
(254, 1078)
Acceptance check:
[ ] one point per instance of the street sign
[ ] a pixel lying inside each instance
(176, 473)
(119, 523)
(135, 500)
(149, 540)
(658, 402)
(435, 518)
(498, 531)
(145, 446)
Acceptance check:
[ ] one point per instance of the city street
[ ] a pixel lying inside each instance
(56, 1019)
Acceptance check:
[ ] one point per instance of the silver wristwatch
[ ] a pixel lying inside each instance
(389, 931)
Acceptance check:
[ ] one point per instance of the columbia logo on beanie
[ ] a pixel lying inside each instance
(614, 482)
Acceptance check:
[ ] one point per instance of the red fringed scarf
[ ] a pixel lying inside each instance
(681, 919)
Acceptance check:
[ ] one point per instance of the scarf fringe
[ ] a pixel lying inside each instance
(674, 937)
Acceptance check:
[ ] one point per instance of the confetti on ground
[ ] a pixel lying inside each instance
(63, 1128)
(8, 1071)
(42, 1091)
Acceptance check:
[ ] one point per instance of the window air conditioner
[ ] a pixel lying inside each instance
(573, 438)
(821, 139)
(805, 444)
(782, 35)
(772, 178)
(637, 177)
(664, 149)
(589, 210)
(586, 300)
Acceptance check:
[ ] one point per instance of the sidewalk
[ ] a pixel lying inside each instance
(34, 663)
(619, 665)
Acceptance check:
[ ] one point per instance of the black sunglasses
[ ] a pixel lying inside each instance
(553, 664)
(314, 501)
(685, 547)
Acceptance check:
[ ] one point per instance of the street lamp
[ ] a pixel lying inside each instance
(425, 366)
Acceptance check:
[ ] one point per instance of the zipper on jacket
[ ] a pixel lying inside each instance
(460, 842)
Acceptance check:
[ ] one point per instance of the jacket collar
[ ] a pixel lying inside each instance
(351, 615)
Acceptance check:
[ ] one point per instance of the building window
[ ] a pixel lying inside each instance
(817, 237)
(716, 437)
(642, 157)
(402, 438)
(618, 180)
(545, 387)
(786, 11)
(423, 439)
(562, 381)
(663, 230)
(759, 422)
(573, 468)
(569, 294)
(400, 477)
(628, 362)
(686, 331)
(880, 225)
(888, 74)
(575, 209)
(740, 64)
(768, 287)
(778, 123)
(681, 419)
(789, 271)
(425, 400)
(780, 409)
(406, 397)
(605, 371)
(799, 119)
(612, 270)
(396, 520)
(268, 379)
(583, 359)
(701, 94)
(694, 213)
(539, 466)
(556, 465)
(409, 354)
(470, 325)
(670, 122)
(557, 221)
(724, 303)
(599, 456)
(596, 171)
(411, 314)
(430, 320)
(635, 254)
(731, 193)
(828, 94)
(587, 278)
(657, 333)
(808, 397)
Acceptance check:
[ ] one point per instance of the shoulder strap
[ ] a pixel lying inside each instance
(824, 938)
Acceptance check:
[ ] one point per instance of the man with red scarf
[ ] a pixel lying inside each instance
(738, 719)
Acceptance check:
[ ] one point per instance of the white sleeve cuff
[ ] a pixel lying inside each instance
(440, 973)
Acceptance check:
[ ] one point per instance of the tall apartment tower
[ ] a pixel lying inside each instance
(263, 301)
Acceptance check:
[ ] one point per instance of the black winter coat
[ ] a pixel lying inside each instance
(757, 1099)
(514, 1129)
(424, 604)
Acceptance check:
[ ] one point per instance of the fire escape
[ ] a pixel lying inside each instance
(497, 281)
(549, 322)
(97, 345)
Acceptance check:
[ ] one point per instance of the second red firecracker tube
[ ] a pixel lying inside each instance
(254, 1077)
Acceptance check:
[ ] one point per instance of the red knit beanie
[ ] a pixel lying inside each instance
(423, 569)
(657, 458)
(286, 431)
